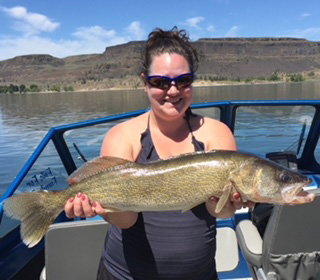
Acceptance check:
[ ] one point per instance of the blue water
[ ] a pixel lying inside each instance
(25, 119)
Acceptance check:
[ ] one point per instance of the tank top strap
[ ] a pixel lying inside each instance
(148, 151)
(198, 145)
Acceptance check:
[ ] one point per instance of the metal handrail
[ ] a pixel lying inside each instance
(227, 115)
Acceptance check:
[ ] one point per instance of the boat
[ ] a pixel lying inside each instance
(289, 130)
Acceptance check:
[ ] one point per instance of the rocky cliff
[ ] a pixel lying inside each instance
(119, 66)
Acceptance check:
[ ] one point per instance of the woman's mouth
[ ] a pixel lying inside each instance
(173, 101)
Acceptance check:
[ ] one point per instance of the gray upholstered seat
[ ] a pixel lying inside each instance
(290, 248)
(73, 250)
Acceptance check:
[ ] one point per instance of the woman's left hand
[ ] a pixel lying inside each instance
(232, 205)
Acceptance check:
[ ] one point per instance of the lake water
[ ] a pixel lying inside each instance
(25, 119)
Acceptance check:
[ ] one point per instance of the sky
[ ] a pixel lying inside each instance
(73, 27)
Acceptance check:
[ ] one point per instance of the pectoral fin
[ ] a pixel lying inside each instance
(224, 198)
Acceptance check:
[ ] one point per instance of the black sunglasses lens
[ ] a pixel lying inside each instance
(184, 81)
(159, 82)
(164, 83)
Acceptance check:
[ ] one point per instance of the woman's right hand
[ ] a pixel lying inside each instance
(81, 206)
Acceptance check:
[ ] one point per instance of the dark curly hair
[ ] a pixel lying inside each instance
(172, 41)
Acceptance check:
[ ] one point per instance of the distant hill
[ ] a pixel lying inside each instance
(120, 66)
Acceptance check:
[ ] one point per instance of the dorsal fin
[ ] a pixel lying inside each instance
(95, 166)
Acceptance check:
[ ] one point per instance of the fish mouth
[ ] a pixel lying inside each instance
(296, 194)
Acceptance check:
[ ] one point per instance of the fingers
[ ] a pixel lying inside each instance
(233, 204)
(213, 200)
(237, 201)
(68, 208)
(98, 209)
(79, 206)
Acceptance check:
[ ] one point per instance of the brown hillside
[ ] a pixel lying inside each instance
(120, 65)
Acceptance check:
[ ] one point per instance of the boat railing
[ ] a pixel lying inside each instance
(55, 134)
(227, 112)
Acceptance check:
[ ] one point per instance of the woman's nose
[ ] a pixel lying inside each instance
(173, 90)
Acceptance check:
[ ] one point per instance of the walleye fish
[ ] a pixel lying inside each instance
(179, 183)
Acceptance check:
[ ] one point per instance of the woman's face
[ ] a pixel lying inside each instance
(172, 102)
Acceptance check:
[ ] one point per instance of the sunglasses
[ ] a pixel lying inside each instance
(164, 82)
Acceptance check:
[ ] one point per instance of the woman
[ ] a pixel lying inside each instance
(162, 245)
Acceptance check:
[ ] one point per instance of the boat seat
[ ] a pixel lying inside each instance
(290, 248)
(67, 247)
(226, 242)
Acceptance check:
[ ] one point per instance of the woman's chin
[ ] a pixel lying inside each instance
(172, 110)
(177, 106)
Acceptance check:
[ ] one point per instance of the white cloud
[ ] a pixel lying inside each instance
(136, 31)
(93, 39)
(29, 23)
(305, 15)
(11, 47)
(312, 33)
(94, 33)
(233, 31)
(194, 22)
(211, 28)
(85, 40)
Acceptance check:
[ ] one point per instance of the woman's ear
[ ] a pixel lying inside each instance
(143, 77)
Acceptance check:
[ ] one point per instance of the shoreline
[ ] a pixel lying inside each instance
(196, 84)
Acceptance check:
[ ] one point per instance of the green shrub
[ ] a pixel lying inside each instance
(56, 88)
(68, 88)
(34, 88)
(274, 77)
(296, 77)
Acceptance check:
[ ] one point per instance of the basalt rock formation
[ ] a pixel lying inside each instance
(119, 66)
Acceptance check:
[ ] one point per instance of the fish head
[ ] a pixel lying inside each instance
(262, 180)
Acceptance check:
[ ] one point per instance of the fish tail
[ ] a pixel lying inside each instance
(36, 211)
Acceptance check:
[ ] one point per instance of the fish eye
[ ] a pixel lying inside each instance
(284, 177)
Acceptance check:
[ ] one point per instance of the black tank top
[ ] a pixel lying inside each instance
(163, 245)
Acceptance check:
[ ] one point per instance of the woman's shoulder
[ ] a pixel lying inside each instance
(123, 139)
(206, 123)
(214, 133)
(210, 123)
(133, 126)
